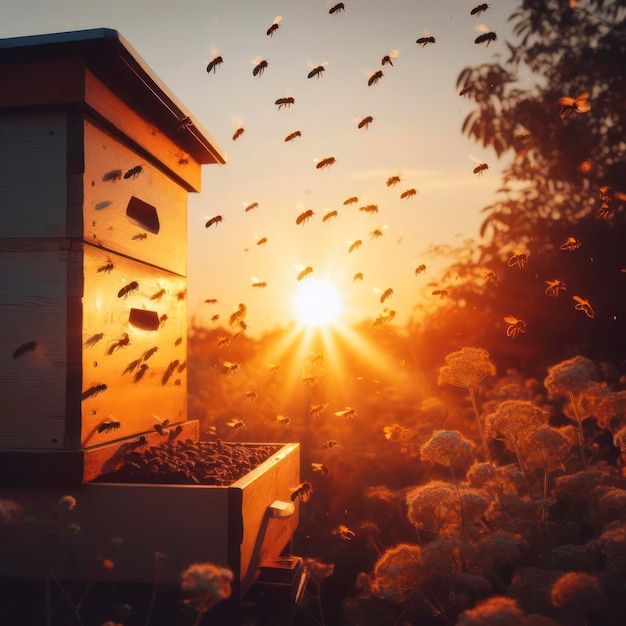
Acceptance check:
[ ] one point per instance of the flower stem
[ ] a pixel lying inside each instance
(579, 423)
(480, 425)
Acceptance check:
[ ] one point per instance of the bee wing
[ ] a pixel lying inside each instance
(256, 60)
(509, 319)
(277, 20)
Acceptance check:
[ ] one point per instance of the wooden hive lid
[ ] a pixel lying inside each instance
(113, 61)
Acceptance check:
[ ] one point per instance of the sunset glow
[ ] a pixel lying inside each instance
(317, 303)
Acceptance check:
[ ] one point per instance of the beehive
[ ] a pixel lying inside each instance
(96, 161)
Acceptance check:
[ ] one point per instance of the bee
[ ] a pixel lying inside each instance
(215, 318)
(317, 70)
(183, 123)
(481, 8)
(466, 89)
(250, 207)
(357, 276)
(93, 340)
(374, 78)
(123, 341)
(338, 8)
(377, 232)
(409, 193)
(230, 368)
(169, 371)
(260, 66)
(285, 102)
(108, 425)
(138, 443)
(240, 131)
(303, 217)
(331, 443)
(283, 420)
(127, 289)
(112, 175)
(30, 346)
(139, 236)
(305, 272)
(347, 412)
(555, 287)
(583, 305)
(386, 60)
(158, 295)
(94, 390)
(365, 122)
(386, 294)
(486, 38)
(574, 105)
(302, 491)
(423, 41)
(223, 341)
(351, 200)
(420, 269)
(133, 172)
(174, 432)
(133, 365)
(238, 315)
(354, 245)
(140, 373)
(260, 284)
(316, 410)
(292, 136)
(148, 353)
(251, 395)
(178, 341)
(262, 241)
(236, 423)
(181, 295)
(214, 220)
(107, 268)
(515, 326)
(163, 318)
(344, 532)
(217, 60)
(519, 259)
(491, 277)
(211, 301)
(571, 244)
(309, 379)
(442, 293)
(480, 168)
(329, 215)
(161, 426)
(326, 163)
(320, 467)
(274, 27)
(369, 208)
(392, 181)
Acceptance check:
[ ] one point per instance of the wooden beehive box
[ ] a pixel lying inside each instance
(96, 161)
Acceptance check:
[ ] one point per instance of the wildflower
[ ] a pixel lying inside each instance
(449, 448)
(66, 503)
(495, 610)
(571, 375)
(10, 512)
(577, 591)
(317, 570)
(209, 584)
(399, 573)
(433, 506)
(611, 410)
(612, 543)
(446, 558)
(619, 439)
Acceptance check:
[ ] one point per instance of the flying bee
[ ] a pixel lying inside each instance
(274, 27)
(259, 284)
(309, 379)
(520, 259)
(386, 294)
(240, 131)
(163, 318)
(123, 341)
(374, 78)
(574, 105)
(387, 59)
(320, 467)
(229, 368)
(338, 8)
(107, 268)
(127, 289)
(260, 66)
(351, 200)
(215, 318)
(292, 136)
(214, 220)
(139, 236)
(250, 207)
(515, 326)
(133, 172)
(420, 269)
(316, 358)
(331, 443)
(302, 491)
(184, 122)
(344, 532)
(30, 346)
(480, 168)
(236, 423)
(329, 215)
(369, 208)
(304, 216)
(316, 410)
(555, 287)
(251, 395)
(323, 164)
(491, 277)
(378, 232)
(409, 193)
(348, 412)
(317, 70)
(93, 340)
(223, 341)
(285, 102)
(148, 353)
(262, 241)
(215, 61)
(181, 295)
(357, 276)
(571, 244)
(305, 272)
(481, 8)
(423, 41)
(365, 122)
(392, 181)
(141, 372)
(112, 176)
(132, 366)
(158, 295)
(354, 245)
(138, 443)
(442, 293)
(108, 425)
(169, 371)
(486, 38)
(583, 305)
(282, 420)
(94, 390)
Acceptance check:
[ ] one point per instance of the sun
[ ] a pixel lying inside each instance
(317, 303)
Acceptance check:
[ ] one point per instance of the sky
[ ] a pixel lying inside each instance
(415, 134)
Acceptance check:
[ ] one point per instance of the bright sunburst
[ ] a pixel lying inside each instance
(317, 303)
